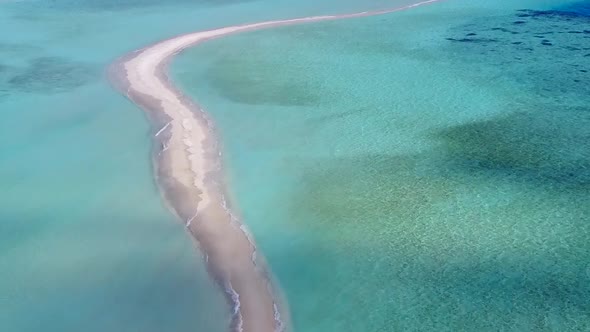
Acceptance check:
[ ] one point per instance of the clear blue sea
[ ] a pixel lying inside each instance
(420, 171)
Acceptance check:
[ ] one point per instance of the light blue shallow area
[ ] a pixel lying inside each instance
(85, 241)
(420, 171)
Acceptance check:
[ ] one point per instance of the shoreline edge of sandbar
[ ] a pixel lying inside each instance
(188, 170)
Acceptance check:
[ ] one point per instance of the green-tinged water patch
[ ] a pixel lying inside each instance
(448, 251)
(440, 184)
(241, 79)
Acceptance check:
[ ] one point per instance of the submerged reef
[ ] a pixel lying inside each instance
(545, 50)
(47, 75)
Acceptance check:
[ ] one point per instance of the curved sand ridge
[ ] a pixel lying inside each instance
(189, 172)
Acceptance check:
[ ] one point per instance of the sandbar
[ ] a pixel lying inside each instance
(189, 173)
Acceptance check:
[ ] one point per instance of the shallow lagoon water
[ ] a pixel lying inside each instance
(85, 240)
(422, 171)
(395, 176)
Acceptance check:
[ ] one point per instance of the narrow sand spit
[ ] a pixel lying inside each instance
(189, 172)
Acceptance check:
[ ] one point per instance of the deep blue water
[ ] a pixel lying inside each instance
(581, 8)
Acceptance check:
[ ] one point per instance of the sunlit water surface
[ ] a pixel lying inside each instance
(421, 171)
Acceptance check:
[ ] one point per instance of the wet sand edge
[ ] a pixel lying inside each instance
(182, 199)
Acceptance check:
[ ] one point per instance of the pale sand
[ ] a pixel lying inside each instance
(188, 169)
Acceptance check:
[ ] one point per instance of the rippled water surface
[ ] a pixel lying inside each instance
(422, 171)
(85, 242)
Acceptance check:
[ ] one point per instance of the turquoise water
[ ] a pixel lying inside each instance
(421, 171)
(85, 242)
(398, 172)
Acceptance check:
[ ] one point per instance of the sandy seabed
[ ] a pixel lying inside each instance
(188, 167)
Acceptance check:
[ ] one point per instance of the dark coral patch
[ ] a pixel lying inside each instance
(537, 145)
(552, 63)
(51, 75)
(473, 40)
(502, 29)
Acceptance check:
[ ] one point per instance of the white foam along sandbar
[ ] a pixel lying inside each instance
(188, 169)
